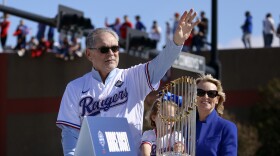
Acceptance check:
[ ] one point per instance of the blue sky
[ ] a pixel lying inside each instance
(230, 14)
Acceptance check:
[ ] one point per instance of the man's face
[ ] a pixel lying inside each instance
(104, 62)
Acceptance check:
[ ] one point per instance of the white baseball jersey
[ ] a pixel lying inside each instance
(149, 137)
(122, 95)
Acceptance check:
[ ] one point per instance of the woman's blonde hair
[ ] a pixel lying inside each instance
(208, 78)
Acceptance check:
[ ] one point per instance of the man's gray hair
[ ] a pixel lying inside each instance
(93, 35)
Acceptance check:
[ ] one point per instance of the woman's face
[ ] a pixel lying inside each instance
(207, 97)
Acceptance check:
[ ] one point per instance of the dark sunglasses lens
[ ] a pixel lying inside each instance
(107, 49)
(212, 94)
(115, 48)
(104, 49)
(200, 92)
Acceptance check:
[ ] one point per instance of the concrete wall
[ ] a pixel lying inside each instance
(245, 71)
(249, 69)
(31, 90)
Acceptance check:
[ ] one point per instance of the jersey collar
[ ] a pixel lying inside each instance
(96, 75)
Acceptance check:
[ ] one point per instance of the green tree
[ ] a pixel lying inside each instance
(248, 141)
(266, 118)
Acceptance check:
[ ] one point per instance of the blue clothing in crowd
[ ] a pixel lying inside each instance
(140, 26)
(248, 25)
(216, 136)
(51, 34)
(41, 31)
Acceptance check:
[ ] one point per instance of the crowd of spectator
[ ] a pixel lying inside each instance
(198, 39)
(66, 48)
(269, 30)
(196, 42)
(69, 46)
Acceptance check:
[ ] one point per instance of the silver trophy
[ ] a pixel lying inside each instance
(176, 120)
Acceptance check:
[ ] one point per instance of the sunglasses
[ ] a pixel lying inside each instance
(105, 49)
(210, 93)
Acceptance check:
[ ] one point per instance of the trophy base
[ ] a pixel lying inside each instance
(174, 154)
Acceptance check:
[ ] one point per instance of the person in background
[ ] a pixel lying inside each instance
(50, 36)
(247, 29)
(188, 45)
(75, 48)
(32, 46)
(115, 26)
(123, 31)
(268, 30)
(126, 24)
(139, 25)
(202, 32)
(176, 21)
(64, 49)
(43, 47)
(203, 25)
(41, 31)
(168, 34)
(21, 33)
(5, 25)
(155, 33)
(214, 134)
(107, 91)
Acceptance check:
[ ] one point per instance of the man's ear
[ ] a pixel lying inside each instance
(88, 54)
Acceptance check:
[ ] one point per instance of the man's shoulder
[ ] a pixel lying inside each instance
(80, 80)
(134, 67)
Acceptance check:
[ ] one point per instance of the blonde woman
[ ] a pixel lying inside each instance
(215, 135)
